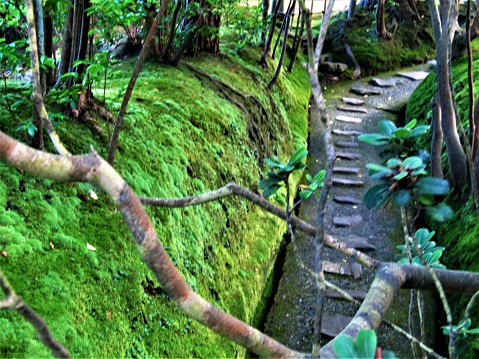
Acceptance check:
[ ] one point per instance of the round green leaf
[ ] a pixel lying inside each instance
(376, 195)
(366, 343)
(401, 198)
(387, 127)
(345, 347)
(401, 133)
(412, 162)
(432, 185)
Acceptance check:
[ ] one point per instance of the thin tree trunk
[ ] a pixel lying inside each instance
(269, 40)
(166, 51)
(436, 143)
(153, 50)
(67, 45)
(380, 22)
(352, 9)
(283, 48)
(298, 41)
(49, 50)
(264, 19)
(37, 141)
(139, 63)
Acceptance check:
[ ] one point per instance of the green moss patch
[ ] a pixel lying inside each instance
(181, 137)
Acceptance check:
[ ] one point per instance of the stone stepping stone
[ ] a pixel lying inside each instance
(357, 243)
(347, 182)
(348, 156)
(333, 325)
(346, 133)
(347, 199)
(362, 90)
(353, 269)
(356, 294)
(353, 101)
(347, 221)
(348, 119)
(414, 75)
(386, 82)
(345, 144)
(346, 170)
(352, 109)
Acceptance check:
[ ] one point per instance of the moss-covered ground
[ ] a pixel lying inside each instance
(412, 43)
(460, 235)
(181, 137)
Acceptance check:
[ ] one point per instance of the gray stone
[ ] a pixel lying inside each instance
(386, 82)
(345, 144)
(348, 156)
(414, 75)
(347, 221)
(353, 101)
(357, 242)
(347, 182)
(363, 90)
(352, 109)
(347, 200)
(346, 132)
(348, 119)
(332, 67)
(356, 294)
(332, 325)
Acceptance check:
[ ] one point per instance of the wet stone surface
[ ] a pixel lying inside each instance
(291, 318)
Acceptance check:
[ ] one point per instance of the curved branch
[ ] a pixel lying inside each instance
(93, 169)
(14, 302)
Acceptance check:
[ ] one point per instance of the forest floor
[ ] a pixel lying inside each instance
(291, 317)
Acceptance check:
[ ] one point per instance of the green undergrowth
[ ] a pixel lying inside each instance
(373, 54)
(460, 235)
(181, 137)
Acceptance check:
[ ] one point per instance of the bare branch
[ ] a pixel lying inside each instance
(14, 302)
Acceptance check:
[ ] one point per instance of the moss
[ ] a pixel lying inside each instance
(374, 54)
(180, 137)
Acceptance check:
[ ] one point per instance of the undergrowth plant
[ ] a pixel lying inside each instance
(364, 346)
(430, 252)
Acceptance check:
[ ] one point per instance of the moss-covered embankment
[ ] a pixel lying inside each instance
(460, 235)
(181, 137)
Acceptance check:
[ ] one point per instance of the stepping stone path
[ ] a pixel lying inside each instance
(352, 109)
(347, 200)
(347, 221)
(346, 133)
(347, 144)
(387, 82)
(366, 90)
(346, 170)
(414, 75)
(353, 101)
(332, 325)
(357, 242)
(347, 182)
(348, 119)
(348, 156)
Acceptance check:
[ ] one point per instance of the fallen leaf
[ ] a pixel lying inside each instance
(4, 253)
(90, 247)
(108, 314)
(52, 246)
(19, 170)
(93, 195)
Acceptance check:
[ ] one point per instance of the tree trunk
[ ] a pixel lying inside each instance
(67, 44)
(436, 143)
(37, 141)
(352, 9)
(380, 22)
(210, 43)
(153, 49)
(48, 30)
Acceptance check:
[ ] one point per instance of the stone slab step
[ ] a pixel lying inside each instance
(346, 132)
(414, 75)
(351, 269)
(348, 119)
(346, 170)
(363, 90)
(347, 221)
(386, 82)
(345, 144)
(347, 182)
(332, 325)
(352, 109)
(357, 242)
(348, 156)
(353, 101)
(347, 200)
(356, 294)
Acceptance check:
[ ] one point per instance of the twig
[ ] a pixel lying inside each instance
(14, 302)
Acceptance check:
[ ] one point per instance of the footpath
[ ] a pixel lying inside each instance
(353, 109)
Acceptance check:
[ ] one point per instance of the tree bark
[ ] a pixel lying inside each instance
(380, 22)
(210, 43)
(436, 143)
(67, 45)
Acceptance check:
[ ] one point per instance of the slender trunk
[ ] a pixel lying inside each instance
(48, 30)
(436, 143)
(37, 141)
(283, 48)
(269, 40)
(119, 121)
(153, 50)
(298, 42)
(67, 44)
(166, 51)
(264, 19)
(83, 39)
(352, 9)
(380, 22)
(470, 78)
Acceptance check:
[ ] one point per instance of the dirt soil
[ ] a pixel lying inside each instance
(291, 317)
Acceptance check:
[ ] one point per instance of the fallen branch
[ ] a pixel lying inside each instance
(14, 302)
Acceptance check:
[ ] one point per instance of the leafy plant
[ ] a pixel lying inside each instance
(281, 171)
(462, 333)
(403, 183)
(429, 250)
(364, 346)
(396, 137)
(314, 183)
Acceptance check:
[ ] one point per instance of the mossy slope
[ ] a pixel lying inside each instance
(460, 235)
(181, 137)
